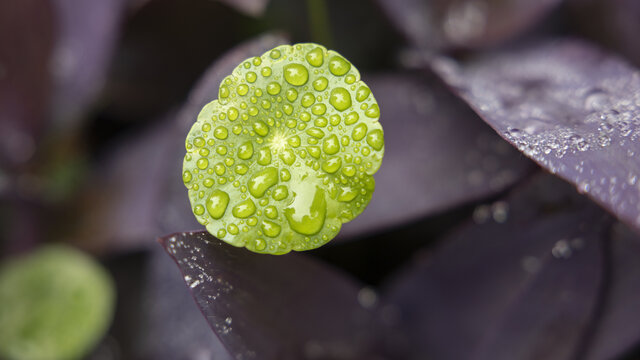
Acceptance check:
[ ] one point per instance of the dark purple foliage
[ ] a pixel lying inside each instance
(425, 144)
(569, 106)
(262, 307)
(524, 286)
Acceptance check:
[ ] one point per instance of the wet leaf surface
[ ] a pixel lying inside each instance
(273, 307)
(156, 317)
(524, 286)
(569, 106)
(431, 136)
(444, 24)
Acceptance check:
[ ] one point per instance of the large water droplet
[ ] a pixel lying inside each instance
(288, 157)
(261, 181)
(244, 209)
(280, 193)
(375, 139)
(315, 57)
(264, 157)
(338, 65)
(363, 93)
(270, 228)
(359, 132)
(245, 151)
(307, 212)
(340, 99)
(296, 74)
(261, 128)
(331, 145)
(217, 203)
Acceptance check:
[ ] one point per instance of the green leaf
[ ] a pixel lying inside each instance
(286, 154)
(56, 304)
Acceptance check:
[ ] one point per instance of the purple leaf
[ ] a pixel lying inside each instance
(156, 317)
(430, 136)
(26, 40)
(523, 287)
(88, 33)
(468, 24)
(619, 328)
(139, 193)
(572, 108)
(273, 307)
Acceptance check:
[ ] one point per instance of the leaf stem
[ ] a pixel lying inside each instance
(319, 25)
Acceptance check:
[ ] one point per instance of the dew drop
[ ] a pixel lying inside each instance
(316, 133)
(271, 212)
(307, 100)
(244, 209)
(339, 65)
(285, 175)
(259, 244)
(261, 181)
(186, 177)
(340, 99)
(320, 83)
(375, 139)
(288, 157)
(270, 228)
(280, 193)
(359, 132)
(373, 111)
(296, 74)
(363, 93)
(315, 57)
(273, 88)
(331, 145)
(242, 89)
(332, 164)
(261, 128)
(245, 151)
(217, 203)
(202, 163)
(307, 212)
(264, 157)
(220, 133)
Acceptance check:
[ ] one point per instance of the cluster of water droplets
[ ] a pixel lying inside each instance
(585, 127)
(287, 152)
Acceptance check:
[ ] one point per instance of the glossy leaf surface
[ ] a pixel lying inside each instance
(266, 307)
(287, 152)
(569, 106)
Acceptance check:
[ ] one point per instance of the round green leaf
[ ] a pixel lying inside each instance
(286, 154)
(56, 304)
